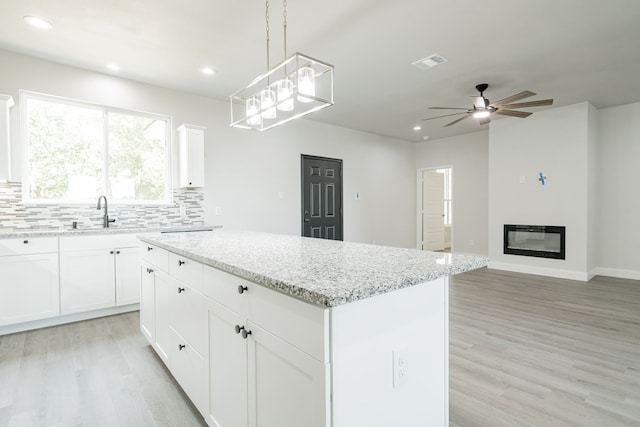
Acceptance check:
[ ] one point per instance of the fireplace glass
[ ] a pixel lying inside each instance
(535, 240)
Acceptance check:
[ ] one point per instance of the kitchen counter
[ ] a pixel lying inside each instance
(322, 272)
(14, 233)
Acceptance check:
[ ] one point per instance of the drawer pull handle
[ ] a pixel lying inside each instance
(180, 290)
(180, 262)
(242, 289)
(149, 248)
(25, 242)
(239, 329)
(245, 334)
(181, 346)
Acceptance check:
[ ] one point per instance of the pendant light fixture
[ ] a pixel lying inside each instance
(297, 86)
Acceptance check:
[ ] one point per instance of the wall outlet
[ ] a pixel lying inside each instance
(472, 242)
(400, 366)
(218, 211)
(280, 195)
(183, 211)
(521, 179)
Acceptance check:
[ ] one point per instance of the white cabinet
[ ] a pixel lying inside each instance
(98, 272)
(29, 280)
(191, 155)
(187, 323)
(261, 356)
(154, 298)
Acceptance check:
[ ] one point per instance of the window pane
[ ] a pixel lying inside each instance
(137, 157)
(66, 151)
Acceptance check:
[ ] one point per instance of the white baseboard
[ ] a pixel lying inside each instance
(67, 318)
(618, 272)
(541, 271)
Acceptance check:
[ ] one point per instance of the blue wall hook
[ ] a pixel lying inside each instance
(542, 178)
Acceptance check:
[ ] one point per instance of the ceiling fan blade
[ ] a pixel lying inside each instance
(529, 104)
(513, 113)
(446, 115)
(517, 96)
(447, 108)
(485, 121)
(457, 120)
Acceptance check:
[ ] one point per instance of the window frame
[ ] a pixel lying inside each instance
(25, 95)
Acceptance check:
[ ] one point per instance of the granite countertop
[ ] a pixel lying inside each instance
(322, 272)
(48, 232)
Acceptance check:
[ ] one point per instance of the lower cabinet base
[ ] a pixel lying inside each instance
(67, 318)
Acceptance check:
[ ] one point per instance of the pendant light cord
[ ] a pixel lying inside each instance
(284, 25)
(267, 20)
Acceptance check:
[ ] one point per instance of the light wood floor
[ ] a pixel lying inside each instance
(94, 373)
(524, 351)
(533, 351)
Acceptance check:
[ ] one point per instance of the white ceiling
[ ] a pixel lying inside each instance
(569, 50)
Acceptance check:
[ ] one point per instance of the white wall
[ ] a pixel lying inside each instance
(468, 155)
(619, 190)
(245, 171)
(556, 143)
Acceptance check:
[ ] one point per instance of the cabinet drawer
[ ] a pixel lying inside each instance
(187, 314)
(188, 368)
(110, 241)
(154, 255)
(186, 270)
(225, 289)
(301, 324)
(27, 245)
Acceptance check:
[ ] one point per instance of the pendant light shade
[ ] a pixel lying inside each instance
(297, 86)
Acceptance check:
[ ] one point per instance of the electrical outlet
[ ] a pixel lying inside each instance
(218, 210)
(400, 366)
(183, 211)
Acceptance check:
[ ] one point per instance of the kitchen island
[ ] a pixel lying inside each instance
(272, 330)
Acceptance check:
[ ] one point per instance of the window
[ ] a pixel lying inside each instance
(76, 152)
(447, 195)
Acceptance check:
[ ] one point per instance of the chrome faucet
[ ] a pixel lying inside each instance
(105, 218)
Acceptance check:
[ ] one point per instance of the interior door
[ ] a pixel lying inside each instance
(432, 211)
(321, 197)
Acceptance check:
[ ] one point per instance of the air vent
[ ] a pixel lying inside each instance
(430, 61)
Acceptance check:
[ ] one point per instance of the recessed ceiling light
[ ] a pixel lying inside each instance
(113, 67)
(39, 23)
(208, 71)
(424, 138)
(430, 61)
(417, 127)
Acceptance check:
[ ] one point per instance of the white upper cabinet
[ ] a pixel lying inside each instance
(191, 156)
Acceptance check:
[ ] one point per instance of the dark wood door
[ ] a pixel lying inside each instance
(321, 197)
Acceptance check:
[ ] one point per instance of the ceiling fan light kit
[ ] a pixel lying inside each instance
(297, 86)
(482, 108)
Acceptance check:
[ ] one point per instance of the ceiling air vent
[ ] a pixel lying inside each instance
(430, 61)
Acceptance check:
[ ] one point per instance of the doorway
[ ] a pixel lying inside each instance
(321, 197)
(434, 219)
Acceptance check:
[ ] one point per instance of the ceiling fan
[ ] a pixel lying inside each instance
(483, 109)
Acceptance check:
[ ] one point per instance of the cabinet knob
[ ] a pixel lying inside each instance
(111, 252)
(181, 346)
(117, 252)
(25, 241)
(180, 262)
(149, 270)
(149, 248)
(180, 290)
(245, 334)
(242, 289)
(239, 328)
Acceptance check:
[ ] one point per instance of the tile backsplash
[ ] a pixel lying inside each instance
(16, 215)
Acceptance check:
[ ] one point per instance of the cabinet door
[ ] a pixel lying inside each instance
(147, 302)
(227, 368)
(187, 366)
(191, 147)
(287, 387)
(127, 280)
(87, 280)
(28, 288)
(162, 336)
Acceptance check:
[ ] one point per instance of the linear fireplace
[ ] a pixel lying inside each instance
(534, 240)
